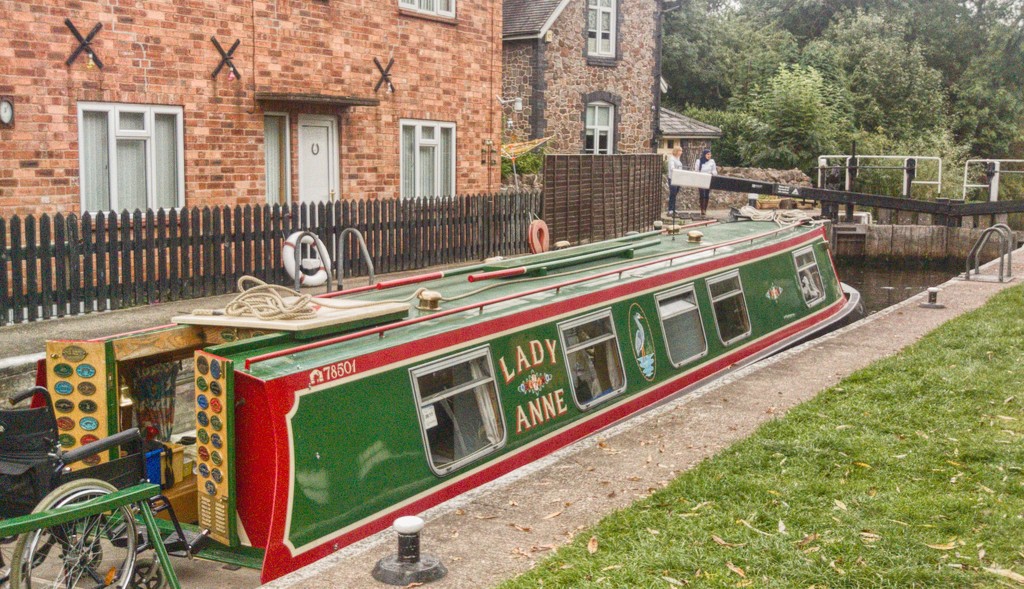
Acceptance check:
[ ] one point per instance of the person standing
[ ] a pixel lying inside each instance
(674, 163)
(707, 165)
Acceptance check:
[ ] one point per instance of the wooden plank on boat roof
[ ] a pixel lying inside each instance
(356, 314)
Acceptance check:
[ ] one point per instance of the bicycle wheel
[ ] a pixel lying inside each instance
(6, 553)
(90, 552)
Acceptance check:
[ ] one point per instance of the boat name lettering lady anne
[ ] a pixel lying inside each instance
(540, 410)
(538, 353)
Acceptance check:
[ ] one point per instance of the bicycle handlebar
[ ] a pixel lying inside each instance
(19, 397)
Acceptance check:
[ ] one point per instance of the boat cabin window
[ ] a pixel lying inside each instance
(592, 358)
(730, 307)
(459, 409)
(808, 277)
(682, 326)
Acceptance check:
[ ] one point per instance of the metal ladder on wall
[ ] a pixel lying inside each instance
(1007, 242)
(339, 256)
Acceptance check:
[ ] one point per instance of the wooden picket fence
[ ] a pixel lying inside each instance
(69, 265)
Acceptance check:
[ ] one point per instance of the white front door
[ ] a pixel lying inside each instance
(318, 158)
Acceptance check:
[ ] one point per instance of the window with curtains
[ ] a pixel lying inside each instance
(601, 28)
(428, 158)
(131, 156)
(592, 358)
(460, 410)
(276, 154)
(436, 7)
(600, 131)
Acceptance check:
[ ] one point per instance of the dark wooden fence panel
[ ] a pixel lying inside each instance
(53, 266)
(593, 197)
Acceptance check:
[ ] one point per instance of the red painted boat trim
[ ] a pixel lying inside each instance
(509, 273)
(279, 561)
(409, 280)
(697, 269)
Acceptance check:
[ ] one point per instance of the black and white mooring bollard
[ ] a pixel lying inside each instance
(409, 566)
(933, 300)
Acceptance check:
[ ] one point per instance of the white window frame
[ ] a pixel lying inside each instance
(594, 6)
(489, 416)
(114, 132)
(743, 297)
(678, 292)
(432, 7)
(420, 124)
(568, 351)
(287, 153)
(817, 270)
(596, 128)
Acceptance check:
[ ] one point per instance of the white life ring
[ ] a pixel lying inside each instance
(312, 270)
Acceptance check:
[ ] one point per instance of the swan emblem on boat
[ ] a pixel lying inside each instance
(643, 350)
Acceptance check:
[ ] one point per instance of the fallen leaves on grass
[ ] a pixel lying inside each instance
(722, 542)
(747, 524)
(869, 537)
(521, 528)
(862, 465)
(840, 505)
(947, 546)
(736, 569)
(677, 582)
(592, 545)
(807, 539)
(553, 515)
(1006, 574)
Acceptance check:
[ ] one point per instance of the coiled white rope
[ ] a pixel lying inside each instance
(780, 216)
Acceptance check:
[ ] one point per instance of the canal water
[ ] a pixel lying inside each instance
(883, 284)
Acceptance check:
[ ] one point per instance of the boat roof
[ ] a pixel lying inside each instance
(387, 315)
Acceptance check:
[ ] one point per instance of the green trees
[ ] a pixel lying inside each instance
(787, 81)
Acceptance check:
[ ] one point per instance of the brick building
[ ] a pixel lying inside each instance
(138, 119)
(587, 72)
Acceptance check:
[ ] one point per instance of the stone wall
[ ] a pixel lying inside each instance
(518, 80)
(159, 53)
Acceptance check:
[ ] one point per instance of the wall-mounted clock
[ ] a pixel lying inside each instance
(6, 112)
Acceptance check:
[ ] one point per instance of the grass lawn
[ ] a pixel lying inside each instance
(909, 473)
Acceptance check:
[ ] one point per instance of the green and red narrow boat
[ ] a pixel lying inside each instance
(314, 434)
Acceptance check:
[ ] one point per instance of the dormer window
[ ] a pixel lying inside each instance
(445, 8)
(601, 28)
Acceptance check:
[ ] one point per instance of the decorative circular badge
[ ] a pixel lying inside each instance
(202, 365)
(87, 388)
(215, 388)
(87, 406)
(92, 460)
(74, 354)
(216, 441)
(86, 370)
(217, 475)
(204, 454)
(211, 488)
(89, 424)
(88, 439)
(201, 384)
(66, 440)
(216, 458)
(202, 402)
(64, 406)
(63, 388)
(216, 406)
(63, 370)
(202, 418)
(65, 424)
(204, 438)
(215, 369)
(204, 471)
(216, 423)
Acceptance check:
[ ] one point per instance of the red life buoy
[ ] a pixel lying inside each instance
(312, 271)
(538, 236)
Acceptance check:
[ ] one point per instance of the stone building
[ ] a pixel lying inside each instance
(586, 72)
(149, 113)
